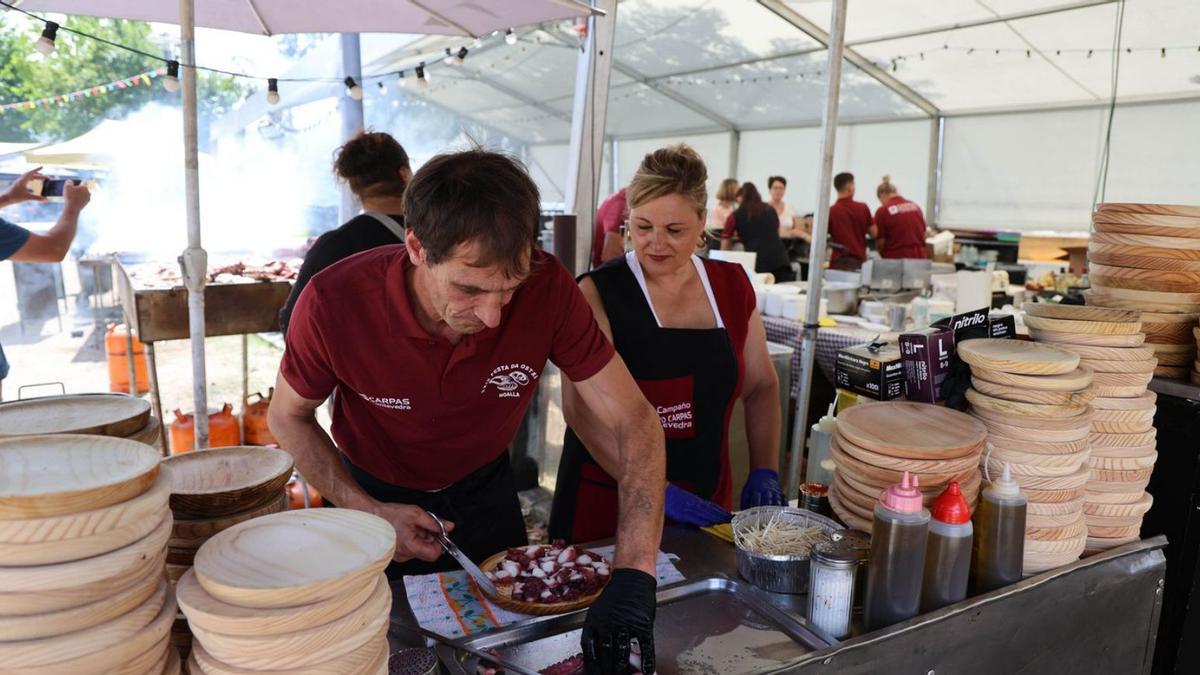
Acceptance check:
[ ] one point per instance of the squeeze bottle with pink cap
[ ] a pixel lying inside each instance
(898, 535)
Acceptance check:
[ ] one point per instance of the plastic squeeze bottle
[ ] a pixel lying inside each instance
(898, 534)
(999, 549)
(948, 551)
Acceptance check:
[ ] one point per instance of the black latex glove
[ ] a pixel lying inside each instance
(624, 611)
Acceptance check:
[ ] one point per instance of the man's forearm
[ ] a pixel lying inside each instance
(317, 459)
(63, 232)
(642, 484)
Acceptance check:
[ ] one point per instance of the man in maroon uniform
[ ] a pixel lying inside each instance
(849, 222)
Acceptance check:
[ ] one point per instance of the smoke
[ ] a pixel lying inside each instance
(255, 196)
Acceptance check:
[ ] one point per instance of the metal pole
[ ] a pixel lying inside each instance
(931, 185)
(155, 398)
(194, 261)
(351, 113)
(129, 362)
(816, 258)
(245, 384)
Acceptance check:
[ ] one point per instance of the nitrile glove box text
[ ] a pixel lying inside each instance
(926, 356)
(877, 374)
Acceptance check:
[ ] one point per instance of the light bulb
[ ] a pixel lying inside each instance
(422, 80)
(403, 82)
(460, 56)
(382, 89)
(272, 91)
(449, 58)
(355, 91)
(510, 37)
(45, 43)
(171, 80)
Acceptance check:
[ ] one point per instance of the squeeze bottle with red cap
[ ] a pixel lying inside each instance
(898, 534)
(999, 548)
(948, 551)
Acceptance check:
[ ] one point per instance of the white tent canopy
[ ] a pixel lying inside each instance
(1007, 86)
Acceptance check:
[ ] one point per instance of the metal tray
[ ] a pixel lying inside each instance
(714, 625)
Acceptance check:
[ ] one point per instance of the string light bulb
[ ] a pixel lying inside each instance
(356, 92)
(510, 37)
(460, 56)
(382, 88)
(45, 44)
(403, 81)
(422, 81)
(449, 58)
(272, 91)
(171, 80)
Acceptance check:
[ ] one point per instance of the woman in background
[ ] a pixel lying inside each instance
(688, 330)
(725, 204)
(757, 225)
(376, 168)
(899, 228)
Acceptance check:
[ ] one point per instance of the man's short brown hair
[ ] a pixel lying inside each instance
(475, 196)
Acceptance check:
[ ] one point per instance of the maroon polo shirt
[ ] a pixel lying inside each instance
(902, 228)
(610, 216)
(412, 409)
(848, 224)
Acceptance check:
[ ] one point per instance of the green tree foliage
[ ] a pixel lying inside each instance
(80, 63)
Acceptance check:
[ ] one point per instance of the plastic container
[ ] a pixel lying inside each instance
(115, 348)
(894, 573)
(947, 551)
(254, 420)
(999, 550)
(832, 569)
(820, 454)
(223, 430)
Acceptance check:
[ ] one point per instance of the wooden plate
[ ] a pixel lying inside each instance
(100, 414)
(1122, 463)
(149, 434)
(1164, 349)
(1121, 475)
(1081, 313)
(1099, 544)
(1061, 339)
(1115, 532)
(1120, 391)
(1142, 280)
(1172, 372)
(1070, 460)
(919, 466)
(1085, 327)
(1122, 380)
(153, 661)
(1142, 451)
(303, 648)
(1143, 241)
(224, 481)
(1146, 258)
(1159, 228)
(1017, 356)
(996, 463)
(1089, 352)
(504, 599)
(1068, 508)
(1181, 225)
(193, 533)
(1138, 508)
(1010, 393)
(1102, 427)
(1048, 449)
(1071, 424)
(175, 572)
(1169, 360)
(1050, 520)
(850, 518)
(128, 595)
(89, 542)
(328, 551)
(369, 659)
(1072, 531)
(1164, 209)
(213, 615)
(890, 476)
(1123, 415)
(1112, 493)
(1003, 432)
(52, 475)
(1074, 481)
(1076, 380)
(1036, 495)
(1132, 366)
(73, 526)
(980, 400)
(913, 430)
(43, 652)
(47, 588)
(1149, 301)
(180, 557)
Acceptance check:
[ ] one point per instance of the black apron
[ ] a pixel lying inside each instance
(483, 507)
(691, 378)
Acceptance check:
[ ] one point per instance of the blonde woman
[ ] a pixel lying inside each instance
(725, 204)
(899, 228)
(688, 331)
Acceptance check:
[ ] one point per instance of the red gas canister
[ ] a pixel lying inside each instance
(222, 430)
(254, 420)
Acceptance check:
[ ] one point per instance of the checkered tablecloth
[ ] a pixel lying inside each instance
(829, 341)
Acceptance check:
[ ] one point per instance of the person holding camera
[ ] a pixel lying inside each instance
(21, 245)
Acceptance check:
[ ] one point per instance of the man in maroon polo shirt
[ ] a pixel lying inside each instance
(433, 350)
(849, 222)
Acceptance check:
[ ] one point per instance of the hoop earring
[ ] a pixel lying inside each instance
(703, 243)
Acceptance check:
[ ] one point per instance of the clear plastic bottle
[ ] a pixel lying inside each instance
(948, 551)
(898, 535)
(999, 549)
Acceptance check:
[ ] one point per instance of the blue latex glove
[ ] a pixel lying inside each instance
(762, 489)
(685, 507)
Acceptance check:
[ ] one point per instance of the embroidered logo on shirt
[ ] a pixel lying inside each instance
(389, 402)
(509, 379)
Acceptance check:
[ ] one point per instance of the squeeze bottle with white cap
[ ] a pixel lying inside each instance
(948, 552)
(897, 563)
(999, 549)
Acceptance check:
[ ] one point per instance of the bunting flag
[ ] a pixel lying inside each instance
(141, 79)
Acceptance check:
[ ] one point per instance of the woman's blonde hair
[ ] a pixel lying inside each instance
(673, 170)
(886, 187)
(728, 190)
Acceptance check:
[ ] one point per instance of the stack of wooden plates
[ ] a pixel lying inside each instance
(877, 442)
(295, 592)
(1147, 257)
(1034, 400)
(116, 415)
(213, 490)
(83, 528)
(1122, 434)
